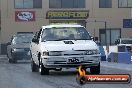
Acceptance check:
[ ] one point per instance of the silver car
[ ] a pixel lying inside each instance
(18, 48)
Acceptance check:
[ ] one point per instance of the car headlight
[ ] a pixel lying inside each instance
(17, 49)
(96, 51)
(45, 53)
(55, 53)
(91, 52)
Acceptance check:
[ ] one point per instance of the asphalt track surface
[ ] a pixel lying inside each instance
(20, 76)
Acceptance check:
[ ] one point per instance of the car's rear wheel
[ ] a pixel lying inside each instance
(95, 69)
(43, 70)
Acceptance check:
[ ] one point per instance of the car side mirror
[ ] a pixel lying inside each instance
(95, 38)
(92, 38)
(35, 40)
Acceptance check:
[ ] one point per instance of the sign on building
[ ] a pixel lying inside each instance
(22, 16)
(83, 14)
(127, 23)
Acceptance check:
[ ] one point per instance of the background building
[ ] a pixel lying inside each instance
(106, 19)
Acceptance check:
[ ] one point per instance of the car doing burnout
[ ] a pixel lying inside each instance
(63, 46)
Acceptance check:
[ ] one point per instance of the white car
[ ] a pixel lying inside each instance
(64, 46)
(124, 42)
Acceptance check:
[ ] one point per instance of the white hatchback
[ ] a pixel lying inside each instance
(64, 46)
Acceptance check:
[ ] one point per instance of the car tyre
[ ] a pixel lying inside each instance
(10, 61)
(43, 70)
(33, 67)
(14, 60)
(95, 69)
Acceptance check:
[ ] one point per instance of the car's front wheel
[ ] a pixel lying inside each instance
(95, 69)
(43, 70)
(34, 67)
(10, 60)
(13, 58)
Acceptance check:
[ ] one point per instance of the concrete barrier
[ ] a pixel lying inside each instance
(113, 57)
(117, 54)
(120, 57)
(125, 57)
(113, 49)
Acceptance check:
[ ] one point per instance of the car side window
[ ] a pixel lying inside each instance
(37, 35)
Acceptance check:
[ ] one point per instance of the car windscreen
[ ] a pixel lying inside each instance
(126, 41)
(21, 38)
(65, 33)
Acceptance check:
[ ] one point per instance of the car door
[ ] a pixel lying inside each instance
(35, 47)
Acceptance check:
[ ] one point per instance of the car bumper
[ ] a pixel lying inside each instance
(62, 61)
(21, 55)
